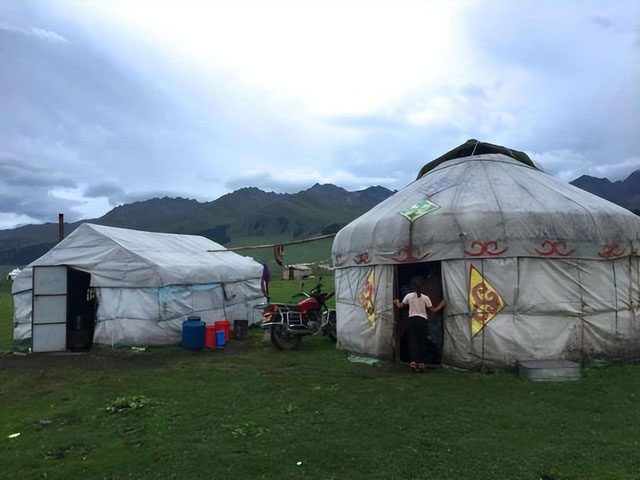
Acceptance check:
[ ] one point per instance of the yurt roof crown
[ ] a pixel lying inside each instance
(475, 147)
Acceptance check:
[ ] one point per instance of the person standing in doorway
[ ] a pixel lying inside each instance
(418, 331)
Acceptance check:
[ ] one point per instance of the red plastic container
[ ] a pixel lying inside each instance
(226, 326)
(210, 336)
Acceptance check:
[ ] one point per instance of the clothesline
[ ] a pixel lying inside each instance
(271, 245)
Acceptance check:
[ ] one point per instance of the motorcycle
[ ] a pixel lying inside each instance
(288, 323)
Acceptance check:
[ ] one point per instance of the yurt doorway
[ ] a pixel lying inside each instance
(431, 273)
(64, 309)
(81, 311)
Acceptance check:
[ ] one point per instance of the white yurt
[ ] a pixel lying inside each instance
(130, 287)
(530, 267)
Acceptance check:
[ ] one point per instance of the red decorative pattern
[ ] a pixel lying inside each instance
(361, 258)
(554, 248)
(410, 254)
(490, 248)
(486, 303)
(338, 260)
(612, 250)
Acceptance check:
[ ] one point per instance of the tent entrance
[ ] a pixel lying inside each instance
(64, 309)
(431, 273)
(81, 310)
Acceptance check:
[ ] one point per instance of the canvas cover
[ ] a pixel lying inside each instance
(147, 283)
(552, 309)
(531, 267)
(357, 331)
(487, 206)
(119, 257)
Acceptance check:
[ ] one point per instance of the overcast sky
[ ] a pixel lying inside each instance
(108, 102)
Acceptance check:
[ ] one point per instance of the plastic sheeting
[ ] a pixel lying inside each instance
(147, 283)
(118, 257)
(489, 206)
(148, 316)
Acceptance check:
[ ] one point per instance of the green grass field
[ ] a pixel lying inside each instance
(253, 412)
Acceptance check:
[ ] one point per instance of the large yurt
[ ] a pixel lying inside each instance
(530, 267)
(119, 286)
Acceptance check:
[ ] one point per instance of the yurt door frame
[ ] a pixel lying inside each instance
(63, 315)
(49, 318)
(432, 272)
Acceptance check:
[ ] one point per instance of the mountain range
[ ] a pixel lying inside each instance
(625, 193)
(251, 215)
(245, 216)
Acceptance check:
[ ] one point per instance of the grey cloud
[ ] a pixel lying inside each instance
(575, 100)
(19, 173)
(39, 33)
(25, 189)
(72, 116)
(76, 115)
(117, 195)
(39, 205)
(601, 21)
(473, 91)
(114, 193)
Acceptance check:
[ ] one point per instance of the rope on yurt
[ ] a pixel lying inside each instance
(582, 313)
(615, 292)
(484, 327)
(474, 147)
(632, 305)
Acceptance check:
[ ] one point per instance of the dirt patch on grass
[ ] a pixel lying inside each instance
(116, 359)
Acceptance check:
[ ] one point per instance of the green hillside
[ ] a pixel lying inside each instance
(247, 216)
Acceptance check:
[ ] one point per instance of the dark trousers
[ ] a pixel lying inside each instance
(421, 348)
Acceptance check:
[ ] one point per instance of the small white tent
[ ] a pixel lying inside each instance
(530, 267)
(147, 283)
(11, 276)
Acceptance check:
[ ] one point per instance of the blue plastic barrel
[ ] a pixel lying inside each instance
(193, 333)
(221, 339)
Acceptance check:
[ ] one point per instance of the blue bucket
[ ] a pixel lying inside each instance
(221, 340)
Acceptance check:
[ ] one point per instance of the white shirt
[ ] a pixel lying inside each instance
(417, 305)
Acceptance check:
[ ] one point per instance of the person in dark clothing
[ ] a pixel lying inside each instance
(418, 331)
(264, 283)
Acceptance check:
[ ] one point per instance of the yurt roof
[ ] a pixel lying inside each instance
(476, 147)
(487, 206)
(119, 257)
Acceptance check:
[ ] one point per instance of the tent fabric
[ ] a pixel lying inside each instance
(147, 283)
(355, 333)
(488, 206)
(119, 257)
(566, 264)
(555, 309)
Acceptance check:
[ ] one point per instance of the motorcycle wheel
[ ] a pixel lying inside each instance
(331, 327)
(284, 341)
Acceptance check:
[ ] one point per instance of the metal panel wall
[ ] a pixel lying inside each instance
(49, 309)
